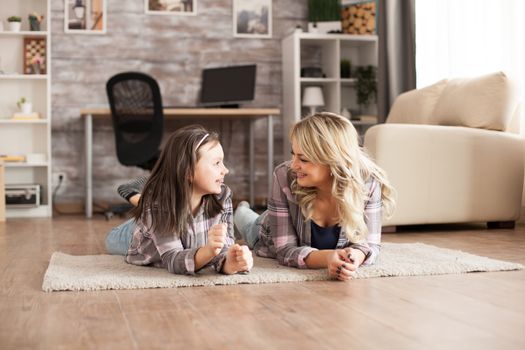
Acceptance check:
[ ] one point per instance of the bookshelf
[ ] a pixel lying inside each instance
(29, 138)
(324, 51)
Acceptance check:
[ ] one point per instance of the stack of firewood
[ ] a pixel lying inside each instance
(359, 18)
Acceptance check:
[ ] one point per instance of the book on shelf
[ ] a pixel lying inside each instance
(7, 158)
(26, 116)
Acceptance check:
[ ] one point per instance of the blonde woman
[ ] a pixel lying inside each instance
(327, 202)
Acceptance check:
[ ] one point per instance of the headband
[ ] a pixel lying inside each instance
(201, 141)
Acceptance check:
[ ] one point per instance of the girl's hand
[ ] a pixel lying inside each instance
(238, 259)
(340, 266)
(216, 238)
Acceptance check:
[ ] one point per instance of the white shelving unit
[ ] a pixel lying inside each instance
(301, 50)
(24, 137)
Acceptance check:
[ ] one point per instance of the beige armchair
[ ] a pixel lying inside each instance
(453, 153)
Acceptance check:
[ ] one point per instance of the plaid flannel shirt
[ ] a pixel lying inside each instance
(286, 235)
(178, 254)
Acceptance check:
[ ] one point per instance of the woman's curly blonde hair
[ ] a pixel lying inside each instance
(331, 140)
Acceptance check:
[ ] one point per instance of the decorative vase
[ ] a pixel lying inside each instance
(14, 26)
(36, 69)
(34, 25)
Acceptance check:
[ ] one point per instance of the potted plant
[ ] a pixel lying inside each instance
(15, 23)
(346, 66)
(24, 106)
(34, 21)
(324, 16)
(366, 86)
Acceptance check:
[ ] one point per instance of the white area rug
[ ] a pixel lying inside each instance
(101, 272)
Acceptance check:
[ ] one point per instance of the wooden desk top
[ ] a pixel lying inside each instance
(195, 112)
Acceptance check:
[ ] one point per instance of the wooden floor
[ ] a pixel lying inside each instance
(468, 311)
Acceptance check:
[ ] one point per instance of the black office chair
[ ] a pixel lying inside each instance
(138, 119)
(138, 123)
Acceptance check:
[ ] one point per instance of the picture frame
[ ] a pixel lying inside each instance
(252, 18)
(35, 55)
(359, 18)
(171, 7)
(85, 16)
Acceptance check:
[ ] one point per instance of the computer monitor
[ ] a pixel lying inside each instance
(227, 86)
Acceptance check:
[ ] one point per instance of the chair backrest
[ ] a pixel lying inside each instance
(137, 114)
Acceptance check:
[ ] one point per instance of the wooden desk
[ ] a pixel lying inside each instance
(185, 113)
(2, 191)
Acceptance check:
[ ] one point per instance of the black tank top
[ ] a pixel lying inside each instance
(325, 237)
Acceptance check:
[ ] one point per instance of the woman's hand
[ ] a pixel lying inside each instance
(356, 256)
(340, 266)
(238, 259)
(216, 238)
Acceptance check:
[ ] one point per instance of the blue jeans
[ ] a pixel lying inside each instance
(248, 223)
(119, 239)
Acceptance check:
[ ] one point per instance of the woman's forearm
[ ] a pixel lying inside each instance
(317, 259)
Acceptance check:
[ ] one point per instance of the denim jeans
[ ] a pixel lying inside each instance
(248, 223)
(119, 239)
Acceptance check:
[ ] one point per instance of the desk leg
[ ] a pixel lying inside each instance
(88, 135)
(252, 162)
(2, 192)
(270, 157)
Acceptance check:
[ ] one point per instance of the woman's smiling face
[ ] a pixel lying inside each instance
(308, 174)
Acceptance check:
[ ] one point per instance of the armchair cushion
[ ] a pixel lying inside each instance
(486, 102)
(416, 106)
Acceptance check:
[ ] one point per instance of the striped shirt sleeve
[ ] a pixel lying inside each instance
(373, 216)
(148, 247)
(284, 234)
(132, 188)
(226, 216)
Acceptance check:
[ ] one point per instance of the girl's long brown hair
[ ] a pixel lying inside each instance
(164, 206)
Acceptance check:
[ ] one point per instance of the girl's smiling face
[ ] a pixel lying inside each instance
(209, 169)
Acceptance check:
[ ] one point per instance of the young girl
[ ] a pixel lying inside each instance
(183, 220)
(326, 204)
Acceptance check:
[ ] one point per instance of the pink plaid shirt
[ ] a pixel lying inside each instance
(286, 235)
(178, 254)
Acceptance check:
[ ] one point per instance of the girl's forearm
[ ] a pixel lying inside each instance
(203, 256)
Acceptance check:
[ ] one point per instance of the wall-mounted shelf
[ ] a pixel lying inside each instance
(23, 76)
(25, 165)
(24, 33)
(23, 121)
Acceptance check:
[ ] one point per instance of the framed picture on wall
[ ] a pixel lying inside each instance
(170, 7)
(35, 55)
(252, 18)
(85, 16)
